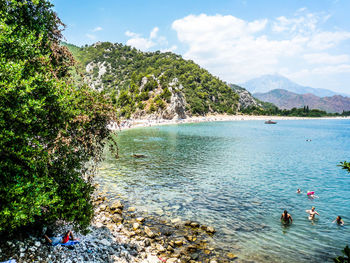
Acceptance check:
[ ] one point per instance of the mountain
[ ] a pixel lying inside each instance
(287, 100)
(267, 83)
(152, 84)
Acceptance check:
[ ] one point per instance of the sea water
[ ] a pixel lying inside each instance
(239, 177)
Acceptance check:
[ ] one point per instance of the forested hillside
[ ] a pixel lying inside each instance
(153, 83)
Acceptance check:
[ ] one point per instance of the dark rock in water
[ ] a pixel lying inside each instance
(211, 229)
(188, 222)
(139, 156)
(194, 224)
(194, 256)
(117, 211)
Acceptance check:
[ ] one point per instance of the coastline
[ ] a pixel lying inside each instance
(120, 234)
(144, 122)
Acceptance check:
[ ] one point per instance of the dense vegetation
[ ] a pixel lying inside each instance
(49, 130)
(272, 110)
(125, 67)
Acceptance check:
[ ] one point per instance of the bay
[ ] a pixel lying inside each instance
(239, 177)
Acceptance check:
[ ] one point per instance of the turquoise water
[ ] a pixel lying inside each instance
(239, 177)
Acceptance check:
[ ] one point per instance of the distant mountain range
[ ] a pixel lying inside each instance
(286, 100)
(267, 83)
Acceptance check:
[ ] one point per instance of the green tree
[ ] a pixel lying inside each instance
(345, 165)
(49, 129)
(345, 258)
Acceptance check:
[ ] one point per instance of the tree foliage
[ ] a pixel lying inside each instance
(345, 165)
(345, 258)
(126, 67)
(49, 130)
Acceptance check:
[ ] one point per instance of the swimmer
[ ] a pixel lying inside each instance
(286, 218)
(311, 194)
(312, 213)
(298, 191)
(339, 221)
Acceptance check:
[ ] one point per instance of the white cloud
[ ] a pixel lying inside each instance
(153, 33)
(90, 36)
(131, 34)
(325, 58)
(143, 43)
(237, 50)
(170, 49)
(140, 43)
(96, 29)
(326, 40)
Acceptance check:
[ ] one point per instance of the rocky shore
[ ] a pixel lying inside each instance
(120, 234)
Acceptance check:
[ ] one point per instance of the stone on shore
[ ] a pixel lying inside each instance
(231, 255)
(135, 226)
(140, 219)
(149, 232)
(131, 209)
(116, 205)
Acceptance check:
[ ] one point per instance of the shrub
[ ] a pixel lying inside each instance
(49, 130)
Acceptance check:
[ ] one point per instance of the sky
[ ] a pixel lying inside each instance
(307, 41)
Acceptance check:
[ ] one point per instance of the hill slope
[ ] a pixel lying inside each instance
(287, 100)
(162, 85)
(267, 83)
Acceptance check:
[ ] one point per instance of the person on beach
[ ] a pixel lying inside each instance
(60, 240)
(298, 191)
(286, 218)
(312, 213)
(339, 221)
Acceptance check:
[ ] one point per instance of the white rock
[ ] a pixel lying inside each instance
(152, 259)
(160, 248)
(136, 226)
(37, 243)
(105, 242)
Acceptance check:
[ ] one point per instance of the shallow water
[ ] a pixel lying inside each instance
(239, 177)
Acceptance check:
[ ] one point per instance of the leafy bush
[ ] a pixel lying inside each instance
(345, 165)
(49, 130)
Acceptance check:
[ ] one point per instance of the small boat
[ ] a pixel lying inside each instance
(270, 122)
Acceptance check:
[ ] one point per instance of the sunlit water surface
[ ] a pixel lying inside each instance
(239, 177)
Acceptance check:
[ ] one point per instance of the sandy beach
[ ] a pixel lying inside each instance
(138, 123)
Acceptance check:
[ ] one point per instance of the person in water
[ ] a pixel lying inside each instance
(339, 221)
(311, 194)
(298, 191)
(286, 218)
(312, 213)
(62, 239)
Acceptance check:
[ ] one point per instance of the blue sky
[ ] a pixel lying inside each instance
(307, 41)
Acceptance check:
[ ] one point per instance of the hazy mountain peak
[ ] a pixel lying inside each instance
(266, 83)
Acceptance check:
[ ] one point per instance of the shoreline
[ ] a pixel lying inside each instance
(141, 123)
(120, 233)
